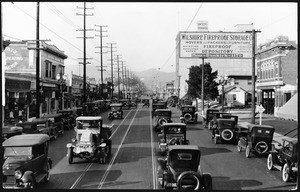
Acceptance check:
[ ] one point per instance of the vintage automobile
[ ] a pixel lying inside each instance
(68, 118)
(92, 140)
(225, 130)
(134, 103)
(82, 110)
(209, 114)
(157, 106)
(172, 134)
(116, 111)
(285, 158)
(9, 131)
(180, 169)
(56, 122)
(161, 116)
(188, 114)
(146, 102)
(258, 140)
(126, 103)
(40, 125)
(215, 116)
(26, 161)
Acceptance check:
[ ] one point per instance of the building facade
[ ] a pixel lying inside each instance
(277, 73)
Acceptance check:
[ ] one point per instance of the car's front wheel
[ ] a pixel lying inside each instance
(286, 175)
(47, 177)
(270, 163)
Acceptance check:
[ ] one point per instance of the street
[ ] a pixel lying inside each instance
(132, 164)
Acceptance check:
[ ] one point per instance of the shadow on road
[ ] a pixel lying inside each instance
(225, 183)
(210, 151)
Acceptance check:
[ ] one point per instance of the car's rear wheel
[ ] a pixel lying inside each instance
(70, 155)
(248, 151)
(286, 173)
(270, 163)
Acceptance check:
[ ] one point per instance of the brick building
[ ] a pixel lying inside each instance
(277, 73)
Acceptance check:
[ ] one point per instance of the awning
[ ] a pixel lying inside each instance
(14, 85)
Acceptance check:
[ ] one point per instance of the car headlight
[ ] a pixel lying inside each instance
(18, 174)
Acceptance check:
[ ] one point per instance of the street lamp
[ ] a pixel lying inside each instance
(222, 80)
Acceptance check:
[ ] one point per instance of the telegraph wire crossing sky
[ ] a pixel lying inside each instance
(144, 33)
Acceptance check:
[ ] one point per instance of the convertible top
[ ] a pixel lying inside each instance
(174, 124)
(251, 126)
(116, 104)
(157, 110)
(189, 147)
(88, 118)
(25, 140)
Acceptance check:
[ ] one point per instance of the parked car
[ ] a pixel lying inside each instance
(215, 116)
(146, 102)
(9, 131)
(188, 114)
(180, 169)
(172, 134)
(258, 140)
(92, 140)
(116, 111)
(286, 158)
(56, 122)
(68, 118)
(126, 103)
(157, 106)
(82, 110)
(134, 103)
(161, 116)
(225, 130)
(40, 125)
(209, 116)
(26, 161)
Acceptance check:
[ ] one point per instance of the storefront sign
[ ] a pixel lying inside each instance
(223, 45)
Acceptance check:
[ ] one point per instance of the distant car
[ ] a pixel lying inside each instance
(258, 140)
(215, 116)
(134, 103)
(286, 157)
(146, 102)
(161, 116)
(157, 106)
(56, 122)
(188, 114)
(225, 130)
(208, 117)
(116, 111)
(9, 131)
(180, 169)
(172, 134)
(126, 103)
(40, 125)
(92, 140)
(26, 161)
(68, 118)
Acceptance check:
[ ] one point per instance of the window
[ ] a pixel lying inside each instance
(234, 97)
(236, 82)
(249, 82)
(47, 69)
(53, 71)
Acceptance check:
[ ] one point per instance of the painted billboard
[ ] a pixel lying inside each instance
(222, 45)
(19, 58)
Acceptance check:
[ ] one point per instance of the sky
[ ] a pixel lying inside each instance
(144, 33)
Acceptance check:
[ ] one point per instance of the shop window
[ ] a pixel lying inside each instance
(249, 82)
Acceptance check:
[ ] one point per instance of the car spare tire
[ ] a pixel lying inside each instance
(261, 147)
(227, 134)
(189, 180)
(162, 121)
(187, 116)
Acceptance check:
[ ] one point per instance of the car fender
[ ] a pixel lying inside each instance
(27, 176)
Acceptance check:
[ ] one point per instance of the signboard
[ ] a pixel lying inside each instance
(222, 45)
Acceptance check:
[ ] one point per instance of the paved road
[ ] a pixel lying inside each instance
(132, 163)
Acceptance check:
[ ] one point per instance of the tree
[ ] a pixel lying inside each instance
(195, 82)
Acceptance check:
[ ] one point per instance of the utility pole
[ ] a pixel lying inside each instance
(112, 68)
(123, 77)
(101, 55)
(253, 74)
(202, 85)
(84, 45)
(118, 76)
(126, 84)
(38, 94)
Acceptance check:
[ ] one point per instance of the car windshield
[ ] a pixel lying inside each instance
(17, 151)
(189, 109)
(175, 130)
(163, 113)
(115, 108)
(83, 124)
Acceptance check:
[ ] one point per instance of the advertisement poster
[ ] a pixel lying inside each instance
(222, 45)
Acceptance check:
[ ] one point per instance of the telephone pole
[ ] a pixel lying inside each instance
(101, 55)
(38, 94)
(118, 76)
(123, 77)
(112, 67)
(84, 45)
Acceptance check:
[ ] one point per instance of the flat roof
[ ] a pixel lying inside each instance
(25, 140)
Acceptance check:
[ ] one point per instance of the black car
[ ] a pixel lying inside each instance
(209, 114)
(188, 114)
(257, 141)
(157, 106)
(180, 169)
(225, 130)
(126, 103)
(285, 158)
(161, 116)
(172, 134)
(116, 111)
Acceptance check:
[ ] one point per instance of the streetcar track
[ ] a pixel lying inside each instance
(116, 153)
(89, 165)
